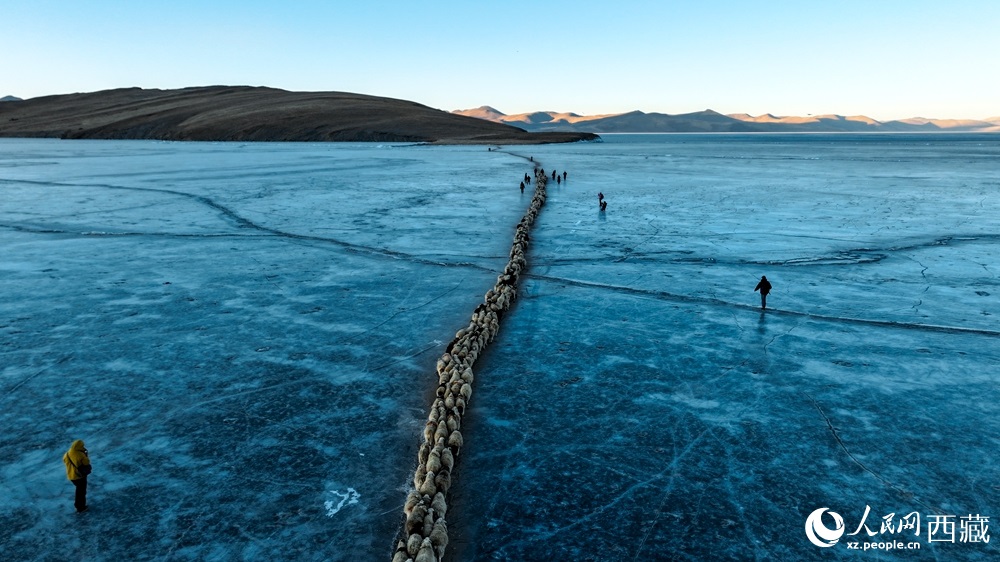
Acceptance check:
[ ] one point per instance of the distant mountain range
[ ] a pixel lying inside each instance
(10, 98)
(709, 121)
(243, 113)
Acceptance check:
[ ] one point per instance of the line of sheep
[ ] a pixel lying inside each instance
(425, 528)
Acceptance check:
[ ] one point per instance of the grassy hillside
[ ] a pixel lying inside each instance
(241, 113)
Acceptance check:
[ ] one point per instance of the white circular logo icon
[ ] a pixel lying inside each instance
(818, 533)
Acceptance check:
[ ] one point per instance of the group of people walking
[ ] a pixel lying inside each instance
(555, 176)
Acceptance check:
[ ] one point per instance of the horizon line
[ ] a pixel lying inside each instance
(779, 115)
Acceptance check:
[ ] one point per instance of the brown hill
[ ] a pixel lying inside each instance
(632, 122)
(242, 113)
(530, 121)
(952, 124)
(710, 121)
(483, 112)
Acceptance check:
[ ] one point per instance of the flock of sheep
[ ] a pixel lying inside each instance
(425, 529)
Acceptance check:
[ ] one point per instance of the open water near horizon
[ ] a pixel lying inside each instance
(245, 337)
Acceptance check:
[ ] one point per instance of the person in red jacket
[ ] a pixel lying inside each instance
(764, 287)
(78, 467)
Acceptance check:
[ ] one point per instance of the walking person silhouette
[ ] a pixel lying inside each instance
(764, 286)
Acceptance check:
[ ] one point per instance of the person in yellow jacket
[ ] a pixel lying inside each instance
(77, 468)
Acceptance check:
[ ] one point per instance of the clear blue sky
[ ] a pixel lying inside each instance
(883, 58)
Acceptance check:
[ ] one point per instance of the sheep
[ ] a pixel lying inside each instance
(432, 416)
(415, 521)
(439, 536)
(443, 481)
(413, 544)
(426, 553)
(454, 424)
(428, 522)
(412, 499)
(418, 476)
(439, 505)
(447, 460)
(401, 554)
(455, 440)
(442, 431)
(427, 488)
(443, 438)
(433, 463)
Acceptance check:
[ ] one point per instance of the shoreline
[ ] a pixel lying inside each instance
(562, 139)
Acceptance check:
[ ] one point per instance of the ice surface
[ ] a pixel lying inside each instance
(244, 335)
(639, 406)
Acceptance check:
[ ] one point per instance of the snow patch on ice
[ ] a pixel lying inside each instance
(347, 497)
(685, 399)
(123, 365)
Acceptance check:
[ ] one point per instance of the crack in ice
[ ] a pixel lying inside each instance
(843, 446)
(665, 295)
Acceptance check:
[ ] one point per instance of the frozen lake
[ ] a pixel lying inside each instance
(245, 336)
